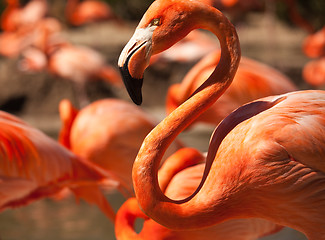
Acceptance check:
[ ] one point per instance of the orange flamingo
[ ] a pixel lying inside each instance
(15, 16)
(265, 160)
(109, 133)
(190, 49)
(314, 44)
(179, 176)
(32, 60)
(33, 166)
(37, 35)
(80, 64)
(80, 13)
(314, 72)
(314, 47)
(239, 4)
(253, 80)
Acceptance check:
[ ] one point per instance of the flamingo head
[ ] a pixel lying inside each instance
(164, 24)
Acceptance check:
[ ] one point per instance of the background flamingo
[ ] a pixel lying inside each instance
(314, 44)
(314, 47)
(314, 72)
(190, 49)
(33, 166)
(109, 133)
(38, 35)
(180, 183)
(266, 150)
(80, 64)
(16, 16)
(88, 11)
(43, 47)
(253, 80)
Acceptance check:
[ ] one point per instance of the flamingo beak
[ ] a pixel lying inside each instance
(133, 61)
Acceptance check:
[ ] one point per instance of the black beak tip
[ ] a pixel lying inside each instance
(132, 85)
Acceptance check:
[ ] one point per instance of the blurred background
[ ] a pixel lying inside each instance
(270, 31)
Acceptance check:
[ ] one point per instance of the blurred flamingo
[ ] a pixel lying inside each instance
(314, 44)
(109, 133)
(32, 60)
(253, 80)
(314, 47)
(33, 166)
(80, 64)
(12, 44)
(190, 49)
(314, 72)
(237, 5)
(16, 16)
(265, 160)
(88, 11)
(179, 180)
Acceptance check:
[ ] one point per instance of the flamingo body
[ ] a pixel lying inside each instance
(314, 72)
(80, 13)
(33, 166)
(37, 35)
(190, 49)
(15, 17)
(271, 150)
(314, 47)
(108, 133)
(314, 44)
(253, 80)
(80, 64)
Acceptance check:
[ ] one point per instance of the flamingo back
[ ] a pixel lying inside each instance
(33, 166)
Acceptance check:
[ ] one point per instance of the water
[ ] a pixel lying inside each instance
(53, 220)
(66, 220)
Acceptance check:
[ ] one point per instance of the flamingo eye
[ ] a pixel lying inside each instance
(155, 22)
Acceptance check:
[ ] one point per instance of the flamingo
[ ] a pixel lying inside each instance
(314, 47)
(15, 16)
(109, 133)
(179, 176)
(253, 80)
(314, 44)
(190, 49)
(37, 36)
(314, 72)
(34, 166)
(265, 160)
(80, 64)
(80, 13)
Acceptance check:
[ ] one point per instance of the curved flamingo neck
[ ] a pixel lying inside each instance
(68, 113)
(156, 205)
